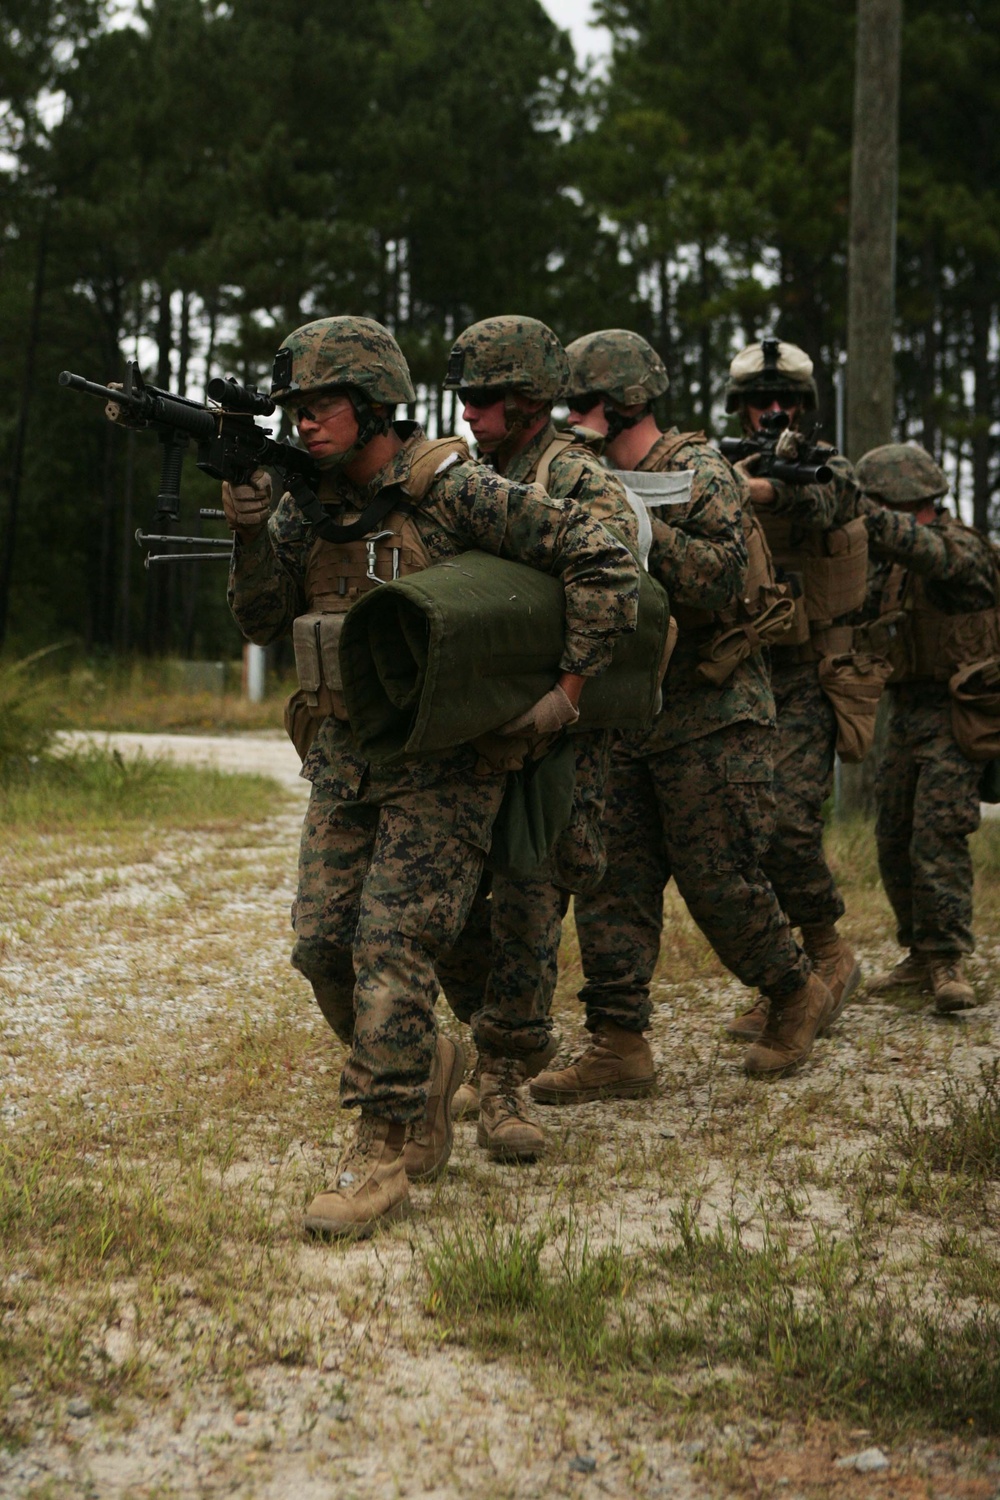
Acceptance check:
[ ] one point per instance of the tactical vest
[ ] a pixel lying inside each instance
(562, 443)
(338, 573)
(829, 569)
(760, 590)
(925, 644)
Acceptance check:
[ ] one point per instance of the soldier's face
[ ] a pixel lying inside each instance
(779, 403)
(328, 426)
(488, 423)
(584, 412)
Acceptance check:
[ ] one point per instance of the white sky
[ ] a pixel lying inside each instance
(574, 16)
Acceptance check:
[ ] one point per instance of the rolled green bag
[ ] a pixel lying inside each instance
(431, 661)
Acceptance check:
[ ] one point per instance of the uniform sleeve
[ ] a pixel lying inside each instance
(819, 506)
(580, 476)
(266, 575)
(700, 553)
(524, 524)
(951, 555)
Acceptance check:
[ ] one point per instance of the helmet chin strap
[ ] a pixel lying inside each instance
(618, 422)
(516, 419)
(370, 425)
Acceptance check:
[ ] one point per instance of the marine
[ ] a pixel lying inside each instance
(819, 546)
(935, 598)
(691, 797)
(391, 855)
(500, 976)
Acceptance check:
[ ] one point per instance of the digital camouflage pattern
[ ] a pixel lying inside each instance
(804, 756)
(619, 363)
(927, 805)
(391, 860)
(501, 974)
(901, 474)
(512, 352)
(342, 351)
(700, 812)
(699, 554)
(927, 792)
(386, 880)
(771, 366)
(692, 797)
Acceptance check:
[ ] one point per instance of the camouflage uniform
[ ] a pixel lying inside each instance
(692, 797)
(807, 730)
(391, 858)
(927, 792)
(501, 974)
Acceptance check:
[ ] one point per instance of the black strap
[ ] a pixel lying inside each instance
(371, 517)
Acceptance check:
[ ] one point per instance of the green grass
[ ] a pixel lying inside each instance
(149, 696)
(713, 1323)
(96, 789)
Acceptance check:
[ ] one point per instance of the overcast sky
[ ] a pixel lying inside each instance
(574, 16)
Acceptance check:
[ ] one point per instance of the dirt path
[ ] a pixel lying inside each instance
(148, 981)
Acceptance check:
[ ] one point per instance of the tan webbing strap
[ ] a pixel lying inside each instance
(666, 446)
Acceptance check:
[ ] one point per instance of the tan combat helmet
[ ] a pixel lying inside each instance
(769, 369)
(357, 355)
(901, 474)
(509, 353)
(344, 351)
(617, 363)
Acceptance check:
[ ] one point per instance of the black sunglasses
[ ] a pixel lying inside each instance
(585, 401)
(760, 400)
(481, 395)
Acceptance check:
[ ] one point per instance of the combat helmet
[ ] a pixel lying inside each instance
(511, 353)
(901, 474)
(771, 367)
(618, 363)
(343, 351)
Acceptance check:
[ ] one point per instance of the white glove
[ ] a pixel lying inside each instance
(247, 506)
(550, 714)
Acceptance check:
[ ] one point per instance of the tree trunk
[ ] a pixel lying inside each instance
(930, 431)
(21, 431)
(872, 238)
(982, 317)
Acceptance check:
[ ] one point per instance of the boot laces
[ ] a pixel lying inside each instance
(358, 1152)
(508, 1077)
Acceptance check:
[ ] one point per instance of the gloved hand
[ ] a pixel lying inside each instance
(120, 415)
(789, 446)
(551, 713)
(247, 506)
(746, 466)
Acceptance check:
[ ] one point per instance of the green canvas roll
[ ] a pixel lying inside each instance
(431, 661)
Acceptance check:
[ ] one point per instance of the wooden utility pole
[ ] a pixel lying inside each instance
(871, 258)
(871, 277)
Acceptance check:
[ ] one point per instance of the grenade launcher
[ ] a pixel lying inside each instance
(809, 468)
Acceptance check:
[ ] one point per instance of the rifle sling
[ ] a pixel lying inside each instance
(372, 516)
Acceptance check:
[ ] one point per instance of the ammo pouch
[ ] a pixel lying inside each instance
(316, 641)
(536, 808)
(975, 709)
(853, 682)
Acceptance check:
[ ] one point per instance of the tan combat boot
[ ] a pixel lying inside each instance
(749, 1024)
(370, 1187)
(429, 1140)
(506, 1130)
(617, 1065)
(952, 991)
(465, 1105)
(910, 973)
(790, 1031)
(834, 962)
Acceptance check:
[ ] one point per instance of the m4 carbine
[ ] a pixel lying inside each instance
(810, 467)
(229, 444)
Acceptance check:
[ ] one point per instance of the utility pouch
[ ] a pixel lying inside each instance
(796, 629)
(890, 637)
(723, 654)
(853, 682)
(975, 709)
(316, 642)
